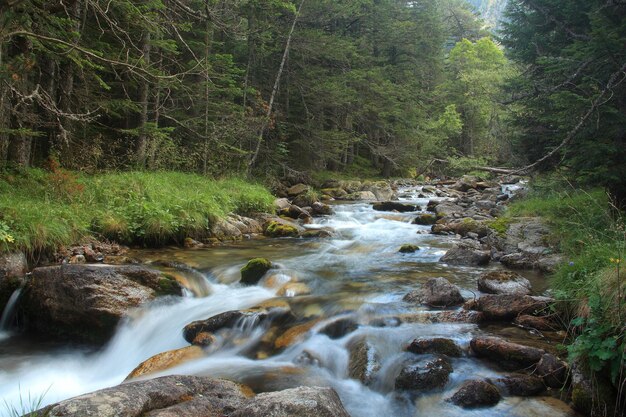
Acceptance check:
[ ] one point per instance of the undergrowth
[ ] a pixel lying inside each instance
(43, 209)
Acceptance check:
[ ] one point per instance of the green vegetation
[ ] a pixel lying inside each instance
(589, 230)
(40, 210)
(276, 229)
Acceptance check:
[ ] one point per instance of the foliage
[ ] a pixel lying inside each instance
(133, 207)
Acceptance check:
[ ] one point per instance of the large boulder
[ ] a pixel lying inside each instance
(425, 219)
(85, 302)
(425, 374)
(301, 402)
(297, 190)
(552, 370)
(504, 282)
(506, 354)
(13, 268)
(509, 306)
(466, 256)
(279, 228)
(476, 393)
(168, 396)
(436, 292)
(394, 206)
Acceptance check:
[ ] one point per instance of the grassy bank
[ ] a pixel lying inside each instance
(589, 231)
(42, 209)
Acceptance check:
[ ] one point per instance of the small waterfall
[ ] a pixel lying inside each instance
(9, 311)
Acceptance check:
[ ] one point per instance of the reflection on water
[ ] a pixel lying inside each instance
(358, 273)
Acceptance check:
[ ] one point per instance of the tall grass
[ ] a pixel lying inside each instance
(40, 210)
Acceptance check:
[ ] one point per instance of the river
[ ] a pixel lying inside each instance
(358, 273)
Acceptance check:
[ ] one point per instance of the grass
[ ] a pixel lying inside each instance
(589, 230)
(41, 210)
(28, 405)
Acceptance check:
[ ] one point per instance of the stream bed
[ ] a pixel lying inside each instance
(358, 273)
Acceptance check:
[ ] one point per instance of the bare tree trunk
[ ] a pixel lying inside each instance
(270, 107)
(144, 91)
(207, 91)
(5, 110)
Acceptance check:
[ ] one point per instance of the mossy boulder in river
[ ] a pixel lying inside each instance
(408, 248)
(278, 229)
(86, 302)
(438, 345)
(476, 393)
(425, 374)
(425, 219)
(253, 271)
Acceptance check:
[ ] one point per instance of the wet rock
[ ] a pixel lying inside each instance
(510, 356)
(591, 395)
(508, 306)
(203, 339)
(552, 370)
(13, 269)
(436, 292)
(457, 316)
(408, 248)
(294, 289)
(316, 234)
(166, 360)
(213, 324)
(425, 374)
(364, 360)
(253, 271)
(393, 205)
(294, 334)
(321, 209)
(425, 219)
(431, 205)
(168, 396)
(280, 229)
(190, 243)
(297, 190)
(301, 402)
(521, 385)
(504, 282)
(436, 345)
(465, 228)
(339, 328)
(534, 322)
(466, 256)
(295, 212)
(476, 393)
(85, 302)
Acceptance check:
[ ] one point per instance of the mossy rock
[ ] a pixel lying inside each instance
(167, 285)
(408, 248)
(276, 229)
(425, 219)
(254, 270)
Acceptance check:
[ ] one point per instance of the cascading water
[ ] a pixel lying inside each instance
(8, 314)
(357, 275)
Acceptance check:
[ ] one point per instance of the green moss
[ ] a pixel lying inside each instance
(500, 225)
(254, 270)
(276, 229)
(168, 286)
(425, 219)
(408, 248)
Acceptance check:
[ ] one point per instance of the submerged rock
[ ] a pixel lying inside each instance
(364, 360)
(438, 345)
(504, 282)
(425, 374)
(339, 328)
(301, 402)
(476, 393)
(253, 271)
(168, 396)
(436, 292)
(85, 302)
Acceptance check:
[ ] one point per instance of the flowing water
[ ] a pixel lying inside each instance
(358, 274)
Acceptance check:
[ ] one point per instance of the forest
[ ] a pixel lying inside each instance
(161, 124)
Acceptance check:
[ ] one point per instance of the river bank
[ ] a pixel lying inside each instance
(344, 312)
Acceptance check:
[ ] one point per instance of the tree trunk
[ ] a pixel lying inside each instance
(144, 91)
(5, 110)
